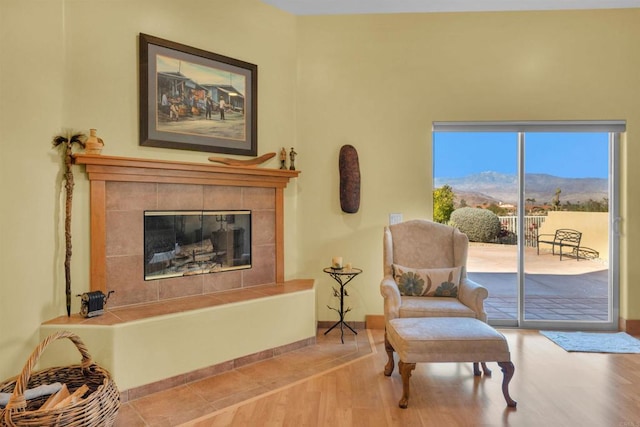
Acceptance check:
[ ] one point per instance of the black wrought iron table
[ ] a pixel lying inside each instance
(342, 276)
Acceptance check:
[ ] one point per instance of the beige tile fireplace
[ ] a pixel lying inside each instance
(157, 332)
(123, 188)
(126, 203)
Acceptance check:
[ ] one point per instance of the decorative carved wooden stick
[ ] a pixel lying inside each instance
(78, 138)
(247, 163)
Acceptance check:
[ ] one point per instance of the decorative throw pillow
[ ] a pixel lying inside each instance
(432, 282)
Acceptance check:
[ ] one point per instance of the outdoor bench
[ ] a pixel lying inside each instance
(562, 238)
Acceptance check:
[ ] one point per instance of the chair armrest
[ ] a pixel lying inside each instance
(473, 295)
(391, 293)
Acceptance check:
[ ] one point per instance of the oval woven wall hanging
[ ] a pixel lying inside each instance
(349, 179)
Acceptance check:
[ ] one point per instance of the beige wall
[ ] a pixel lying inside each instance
(73, 64)
(376, 82)
(379, 81)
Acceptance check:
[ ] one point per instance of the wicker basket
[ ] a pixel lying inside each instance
(98, 408)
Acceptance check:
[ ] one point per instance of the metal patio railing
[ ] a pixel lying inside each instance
(532, 224)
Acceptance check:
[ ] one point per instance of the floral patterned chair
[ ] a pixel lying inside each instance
(425, 273)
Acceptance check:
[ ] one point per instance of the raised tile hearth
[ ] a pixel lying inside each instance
(155, 330)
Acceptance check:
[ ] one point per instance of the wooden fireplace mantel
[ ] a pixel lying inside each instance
(102, 169)
(110, 168)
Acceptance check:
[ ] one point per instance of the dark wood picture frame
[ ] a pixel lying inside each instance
(191, 99)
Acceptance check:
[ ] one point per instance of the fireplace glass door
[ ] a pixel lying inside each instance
(185, 243)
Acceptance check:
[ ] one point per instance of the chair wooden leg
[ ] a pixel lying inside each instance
(388, 368)
(507, 369)
(405, 373)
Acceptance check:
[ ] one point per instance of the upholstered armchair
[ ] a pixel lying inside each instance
(425, 273)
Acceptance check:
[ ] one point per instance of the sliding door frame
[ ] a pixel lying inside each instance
(614, 128)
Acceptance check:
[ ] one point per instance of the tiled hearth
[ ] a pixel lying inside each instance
(132, 313)
(159, 330)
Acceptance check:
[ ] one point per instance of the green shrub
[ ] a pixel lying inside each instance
(443, 204)
(480, 225)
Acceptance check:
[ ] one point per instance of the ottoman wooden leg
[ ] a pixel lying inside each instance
(507, 369)
(388, 368)
(405, 373)
(486, 370)
(476, 369)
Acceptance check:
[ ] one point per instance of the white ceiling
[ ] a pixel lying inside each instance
(345, 7)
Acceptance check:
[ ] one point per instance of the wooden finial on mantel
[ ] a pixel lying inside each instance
(237, 162)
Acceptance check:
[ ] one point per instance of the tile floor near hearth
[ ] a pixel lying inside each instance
(329, 384)
(194, 400)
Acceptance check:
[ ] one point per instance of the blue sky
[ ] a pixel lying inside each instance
(570, 155)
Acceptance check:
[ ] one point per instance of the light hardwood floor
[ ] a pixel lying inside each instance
(330, 384)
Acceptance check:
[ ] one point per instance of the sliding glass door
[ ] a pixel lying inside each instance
(566, 268)
(551, 187)
(480, 169)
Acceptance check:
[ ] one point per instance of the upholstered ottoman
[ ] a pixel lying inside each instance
(445, 339)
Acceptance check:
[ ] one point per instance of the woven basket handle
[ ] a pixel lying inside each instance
(17, 400)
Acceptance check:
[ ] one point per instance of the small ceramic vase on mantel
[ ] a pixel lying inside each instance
(94, 144)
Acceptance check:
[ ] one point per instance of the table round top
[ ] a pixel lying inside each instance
(342, 271)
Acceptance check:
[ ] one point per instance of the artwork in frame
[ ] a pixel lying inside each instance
(191, 99)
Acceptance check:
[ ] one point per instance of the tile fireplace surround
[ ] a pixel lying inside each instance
(194, 323)
(122, 189)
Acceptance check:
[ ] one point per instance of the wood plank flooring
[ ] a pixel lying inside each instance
(331, 384)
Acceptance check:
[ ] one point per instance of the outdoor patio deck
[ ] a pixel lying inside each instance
(554, 290)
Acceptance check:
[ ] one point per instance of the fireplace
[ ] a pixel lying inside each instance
(187, 243)
(201, 316)
(124, 189)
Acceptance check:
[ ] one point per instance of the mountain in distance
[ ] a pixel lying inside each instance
(494, 187)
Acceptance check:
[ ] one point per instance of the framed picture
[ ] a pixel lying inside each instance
(191, 99)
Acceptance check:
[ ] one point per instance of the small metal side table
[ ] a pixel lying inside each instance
(342, 276)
